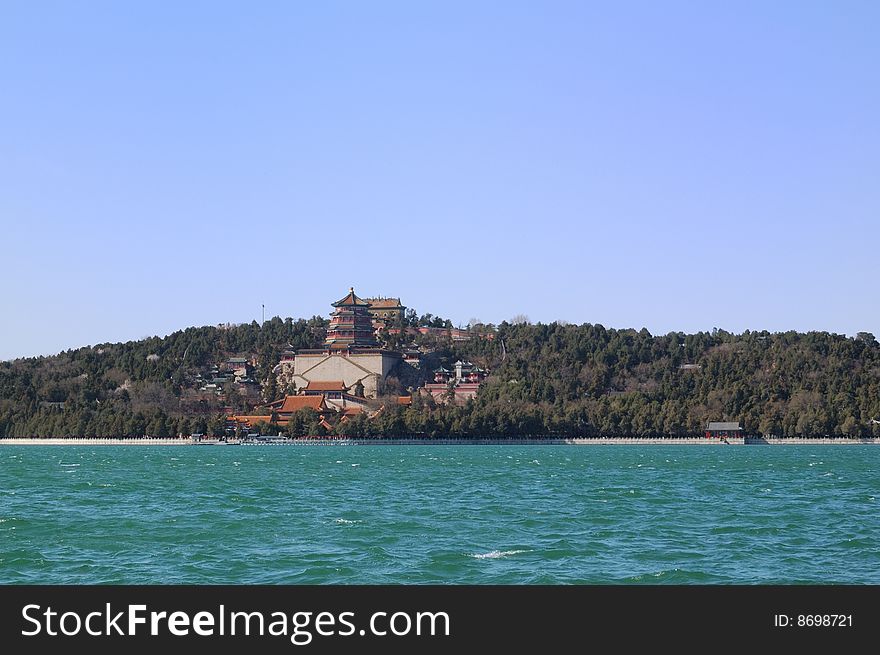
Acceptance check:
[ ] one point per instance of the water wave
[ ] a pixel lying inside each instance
(457, 514)
(496, 554)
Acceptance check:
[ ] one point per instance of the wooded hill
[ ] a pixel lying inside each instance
(556, 379)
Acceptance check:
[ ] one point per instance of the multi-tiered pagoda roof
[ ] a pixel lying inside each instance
(351, 325)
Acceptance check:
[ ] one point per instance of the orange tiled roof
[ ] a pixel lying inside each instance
(404, 400)
(352, 411)
(295, 403)
(335, 385)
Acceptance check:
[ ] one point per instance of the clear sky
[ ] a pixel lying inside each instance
(672, 165)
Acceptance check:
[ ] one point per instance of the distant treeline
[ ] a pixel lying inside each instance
(556, 379)
(591, 381)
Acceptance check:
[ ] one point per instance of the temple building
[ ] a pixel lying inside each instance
(351, 325)
(723, 430)
(351, 356)
(459, 385)
(336, 395)
(282, 410)
(385, 311)
(289, 405)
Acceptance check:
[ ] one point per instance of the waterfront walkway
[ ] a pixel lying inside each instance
(410, 441)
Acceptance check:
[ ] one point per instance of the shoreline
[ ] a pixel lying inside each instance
(403, 441)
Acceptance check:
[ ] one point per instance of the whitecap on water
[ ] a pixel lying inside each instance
(345, 521)
(496, 554)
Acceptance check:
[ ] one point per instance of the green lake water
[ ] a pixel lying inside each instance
(440, 514)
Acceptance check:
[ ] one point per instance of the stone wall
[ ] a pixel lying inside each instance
(370, 369)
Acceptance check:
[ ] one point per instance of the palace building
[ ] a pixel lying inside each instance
(459, 385)
(351, 356)
(385, 311)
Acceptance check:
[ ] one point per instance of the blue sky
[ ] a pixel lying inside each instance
(675, 165)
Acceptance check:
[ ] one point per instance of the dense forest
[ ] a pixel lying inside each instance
(135, 388)
(591, 381)
(546, 379)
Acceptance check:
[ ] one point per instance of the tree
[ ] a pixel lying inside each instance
(850, 426)
(300, 422)
(233, 396)
(270, 387)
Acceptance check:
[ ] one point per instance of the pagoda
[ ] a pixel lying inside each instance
(351, 357)
(351, 325)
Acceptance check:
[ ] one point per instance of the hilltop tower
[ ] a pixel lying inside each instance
(351, 325)
(351, 357)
